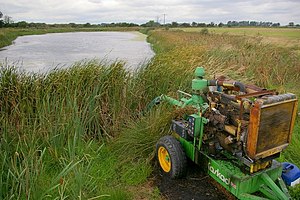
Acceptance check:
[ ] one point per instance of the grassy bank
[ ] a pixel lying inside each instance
(8, 35)
(78, 133)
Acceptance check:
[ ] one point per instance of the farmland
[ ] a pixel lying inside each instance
(79, 132)
(276, 36)
(289, 33)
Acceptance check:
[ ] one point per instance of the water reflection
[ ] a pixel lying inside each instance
(40, 53)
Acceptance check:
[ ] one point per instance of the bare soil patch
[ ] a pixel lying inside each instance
(197, 185)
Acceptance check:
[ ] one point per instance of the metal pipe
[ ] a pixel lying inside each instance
(239, 85)
(171, 100)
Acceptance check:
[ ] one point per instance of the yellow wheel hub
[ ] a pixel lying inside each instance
(164, 159)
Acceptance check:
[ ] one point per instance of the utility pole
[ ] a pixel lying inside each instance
(164, 19)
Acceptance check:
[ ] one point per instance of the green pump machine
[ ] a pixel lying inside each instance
(234, 132)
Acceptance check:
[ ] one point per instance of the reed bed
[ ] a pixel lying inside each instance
(80, 132)
(49, 124)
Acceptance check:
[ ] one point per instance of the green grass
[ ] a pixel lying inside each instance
(282, 37)
(53, 128)
(79, 133)
(292, 33)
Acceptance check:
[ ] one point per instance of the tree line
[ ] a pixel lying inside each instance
(152, 23)
(7, 21)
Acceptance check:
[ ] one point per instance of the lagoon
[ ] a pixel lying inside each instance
(41, 53)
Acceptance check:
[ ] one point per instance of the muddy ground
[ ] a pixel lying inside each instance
(195, 186)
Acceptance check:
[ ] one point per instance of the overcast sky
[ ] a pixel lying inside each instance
(141, 11)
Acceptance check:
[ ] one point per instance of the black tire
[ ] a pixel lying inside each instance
(176, 162)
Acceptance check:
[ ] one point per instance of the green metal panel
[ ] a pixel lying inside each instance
(199, 84)
(171, 100)
(275, 189)
(251, 197)
(242, 185)
(188, 147)
(199, 72)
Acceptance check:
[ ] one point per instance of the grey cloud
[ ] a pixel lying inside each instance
(97, 11)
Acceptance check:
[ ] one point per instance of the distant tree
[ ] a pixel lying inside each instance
(87, 25)
(235, 23)
(253, 23)
(265, 24)
(39, 25)
(291, 24)
(194, 24)
(212, 24)
(275, 24)
(232, 23)
(1, 21)
(174, 24)
(121, 24)
(244, 23)
(21, 24)
(151, 23)
(220, 24)
(201, 25)
(7, 20)
(185, 24)
(132, 25)
(73, 25)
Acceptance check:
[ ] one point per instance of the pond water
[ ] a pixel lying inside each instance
(41, 53)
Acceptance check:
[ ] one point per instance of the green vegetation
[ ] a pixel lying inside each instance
(269, 32)
(283, 37)
(53, 129)
(78, 132)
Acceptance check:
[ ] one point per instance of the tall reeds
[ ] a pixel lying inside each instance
(47, 119)
(53, 126)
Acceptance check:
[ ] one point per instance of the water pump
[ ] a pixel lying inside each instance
(234, 131)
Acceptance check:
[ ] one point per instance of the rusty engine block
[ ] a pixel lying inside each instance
(252, 123)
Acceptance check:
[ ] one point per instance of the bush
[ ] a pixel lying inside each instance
(204, 31)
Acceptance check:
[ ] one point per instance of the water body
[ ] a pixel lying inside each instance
(41, 53)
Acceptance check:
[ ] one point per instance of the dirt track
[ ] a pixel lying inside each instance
(196, 186)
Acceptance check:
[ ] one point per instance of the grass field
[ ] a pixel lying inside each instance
(277, 36)
(292, 33)
(79, 132)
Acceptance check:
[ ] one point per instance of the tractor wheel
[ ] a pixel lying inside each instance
(171, 157)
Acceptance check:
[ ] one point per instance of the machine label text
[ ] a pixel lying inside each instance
(218, 174)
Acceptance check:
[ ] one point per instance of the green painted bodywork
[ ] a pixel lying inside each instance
(244, 185)
(199, 72)
(189, 148)
(199, 84)
(225, 172)
(241, 185)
